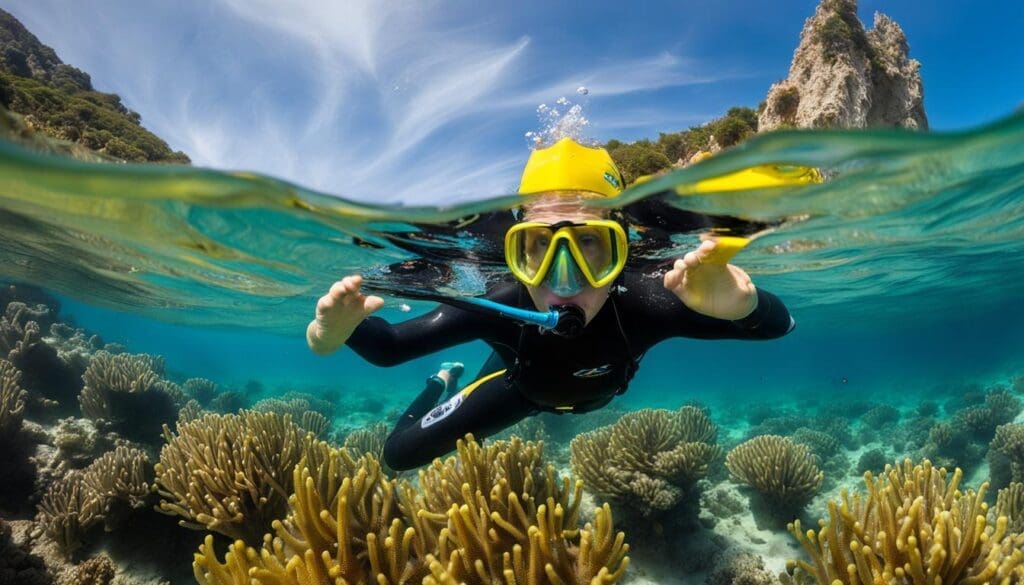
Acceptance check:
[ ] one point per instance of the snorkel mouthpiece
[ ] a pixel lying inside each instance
(571, 320)
(564, 277)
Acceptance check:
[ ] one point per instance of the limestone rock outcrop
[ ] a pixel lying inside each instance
(843, 76)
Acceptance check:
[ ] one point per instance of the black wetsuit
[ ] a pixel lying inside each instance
(543, 371)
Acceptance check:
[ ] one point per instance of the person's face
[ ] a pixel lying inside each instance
(562, 208)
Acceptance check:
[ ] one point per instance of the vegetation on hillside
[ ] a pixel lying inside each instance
(58, 100)
(645, 157)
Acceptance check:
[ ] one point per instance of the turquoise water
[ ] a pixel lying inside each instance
(903, 271)
(903, 268)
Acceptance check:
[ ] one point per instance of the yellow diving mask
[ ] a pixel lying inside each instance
(566, 254)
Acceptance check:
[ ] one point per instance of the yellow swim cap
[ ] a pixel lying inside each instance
(569, 166)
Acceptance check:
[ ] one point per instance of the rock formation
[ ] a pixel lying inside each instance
(843, 76)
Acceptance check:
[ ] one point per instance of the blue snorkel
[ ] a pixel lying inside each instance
(564, 320)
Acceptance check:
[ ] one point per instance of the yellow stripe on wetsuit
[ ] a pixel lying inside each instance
(465, 392)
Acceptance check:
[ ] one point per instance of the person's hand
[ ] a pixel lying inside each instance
(717, 290)
(338, 313)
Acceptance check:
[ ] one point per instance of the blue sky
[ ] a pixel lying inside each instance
(428, 102)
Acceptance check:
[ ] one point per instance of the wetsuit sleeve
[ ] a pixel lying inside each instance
(385, 344)
(654, 314)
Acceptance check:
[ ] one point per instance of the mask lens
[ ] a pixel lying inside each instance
(597, 247)
(529, 247)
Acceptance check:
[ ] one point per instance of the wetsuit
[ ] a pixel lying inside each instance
(532, 371)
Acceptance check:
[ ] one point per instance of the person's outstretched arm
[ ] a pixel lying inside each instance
(343, 318)
(705, 300)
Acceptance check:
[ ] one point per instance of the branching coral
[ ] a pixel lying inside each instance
(303, 410)
(649, 458)
(369, 439)
(116, 482)
(354, 525)
(913, 526)
(67, 510)
(12, 402)
(231, 474)
(201, 390)
(127, 392)
(1006, 455)
(1010, 503)
(783, 472)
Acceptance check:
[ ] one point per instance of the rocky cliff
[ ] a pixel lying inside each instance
(843, 76)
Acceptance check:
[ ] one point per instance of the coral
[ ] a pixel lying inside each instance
(823, 445)
(126, 393)
(98, 570)
(201, 390)
(44, 374)
(119, 481)
(191, 411)
(228, 402)
(783, 472)
(914, 525)
(315, 423)
(296, 403)
(105, 491)
(874, 460)
(231, 473)
(369, 439)
(880, 416)
(649, 458)
(740, 568)
(79, 442)
(1006, 455)
(12, 402)
(980, 421)
(67, 511)
(1010, 503)
(354, 525)
(74, 346)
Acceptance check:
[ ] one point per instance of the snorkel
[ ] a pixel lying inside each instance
(563, 320)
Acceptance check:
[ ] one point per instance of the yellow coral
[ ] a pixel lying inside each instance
(351, 524)
(914, 526)
(231, 473)
(785, 473)
(12, 401)
(648, 458)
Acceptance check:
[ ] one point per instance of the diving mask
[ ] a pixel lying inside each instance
(566, 254)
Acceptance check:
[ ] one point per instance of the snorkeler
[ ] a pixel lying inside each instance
(568, 257)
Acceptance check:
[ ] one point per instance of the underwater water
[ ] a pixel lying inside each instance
(904, 271)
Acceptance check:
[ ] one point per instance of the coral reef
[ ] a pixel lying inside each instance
(229, 401)
(295, 404)
(783, 472)
(740, 568)
(369, 439)
(105, 491)
(915, 525)
(201, 390)
(12, 402)
(1010, 503)
(231, 474)
(126, 393)
(358, 526)
(1006, 455)
(98, 570)
(649, 459)
(874, 460)
(50, 381)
